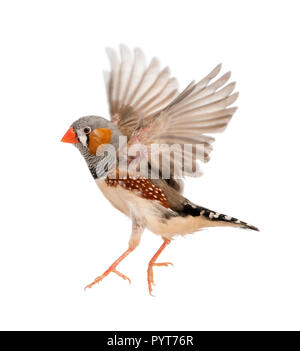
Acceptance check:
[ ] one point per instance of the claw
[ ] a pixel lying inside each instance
(165, 264)
(150, 273)
(101, 277)
(122, 275)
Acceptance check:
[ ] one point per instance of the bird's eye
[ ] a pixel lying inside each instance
(87, 130)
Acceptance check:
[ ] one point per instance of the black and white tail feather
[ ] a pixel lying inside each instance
(191, 209)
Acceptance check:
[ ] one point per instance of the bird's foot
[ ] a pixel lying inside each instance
(112, 269)
(150, 273)
(106, 273)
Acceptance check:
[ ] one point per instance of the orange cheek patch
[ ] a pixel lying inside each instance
(98, 137)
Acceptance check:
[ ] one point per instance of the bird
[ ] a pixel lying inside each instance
(146, 110)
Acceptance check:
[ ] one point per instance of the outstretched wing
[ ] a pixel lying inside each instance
(201, 109)
(136, 92)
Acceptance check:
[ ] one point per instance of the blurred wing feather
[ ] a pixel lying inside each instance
(136, 92)
(202, 108)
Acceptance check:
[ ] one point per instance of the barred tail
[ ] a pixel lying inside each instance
(195, 211)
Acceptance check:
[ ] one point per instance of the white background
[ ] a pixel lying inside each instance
(57, 230)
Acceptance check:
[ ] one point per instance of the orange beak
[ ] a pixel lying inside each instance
(70, 137)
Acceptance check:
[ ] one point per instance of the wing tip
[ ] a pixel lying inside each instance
(124, 50)
(215, 71)
(234, 97)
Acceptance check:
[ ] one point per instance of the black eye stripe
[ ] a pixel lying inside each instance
(76, 134)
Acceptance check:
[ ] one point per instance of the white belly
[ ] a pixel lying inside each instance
(152, 213)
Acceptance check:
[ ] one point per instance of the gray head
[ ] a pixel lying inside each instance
(95, 137)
